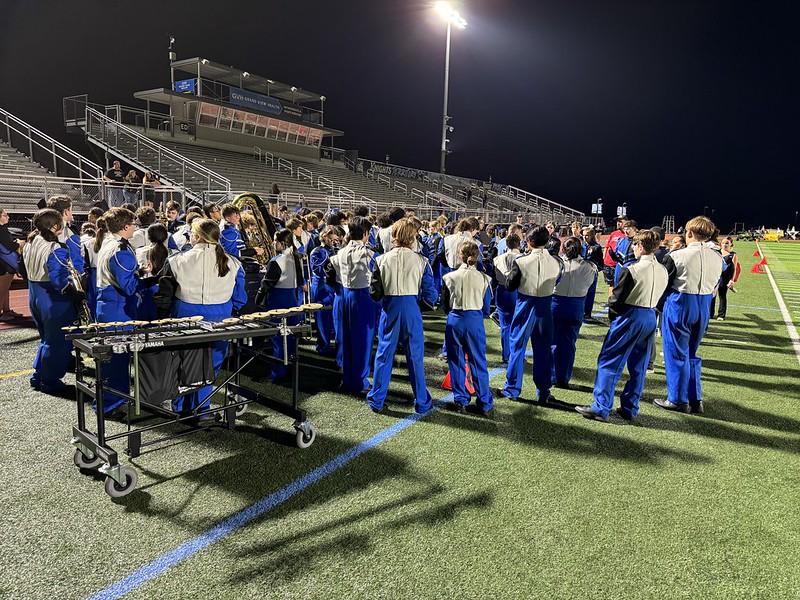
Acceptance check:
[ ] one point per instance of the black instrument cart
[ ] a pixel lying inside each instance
(246, 337)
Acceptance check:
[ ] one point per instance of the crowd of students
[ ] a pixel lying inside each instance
(380, 274)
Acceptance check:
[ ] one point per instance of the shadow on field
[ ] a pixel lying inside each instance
(724, 410)
(526, 425)
(764, 379)
(290, 557)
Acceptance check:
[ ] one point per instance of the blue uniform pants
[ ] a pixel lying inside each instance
(567, 321)
(358, 330)
(465, 334)
(627, 342)
(337, 330)
(533, 320)
(116, 373)
(588, 303)
(505, 303)
(51, 311)
(323, 319)
(683, 326)
(401, 322)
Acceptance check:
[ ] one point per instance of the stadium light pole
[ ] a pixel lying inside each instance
(453, 18)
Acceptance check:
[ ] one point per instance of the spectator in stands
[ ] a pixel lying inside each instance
(149, 182)
(131, 189)
(116, 179)
(94, 214)
(554, 242)
(272, 200)
(10, 250)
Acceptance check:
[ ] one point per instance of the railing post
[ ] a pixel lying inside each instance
(55, 160)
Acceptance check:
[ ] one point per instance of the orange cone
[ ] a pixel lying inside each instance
(763, 261)
(447, 385)
(757, 268)
(756, 253)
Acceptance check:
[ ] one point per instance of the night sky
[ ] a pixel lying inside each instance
(668, 106)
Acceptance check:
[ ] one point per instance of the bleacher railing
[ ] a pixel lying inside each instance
(149, 155)
(40, 147)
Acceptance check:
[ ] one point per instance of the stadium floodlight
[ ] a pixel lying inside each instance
(245, 74)
(452, 17)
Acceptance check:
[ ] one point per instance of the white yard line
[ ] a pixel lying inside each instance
(784, 310)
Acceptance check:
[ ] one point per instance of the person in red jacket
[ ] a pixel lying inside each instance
(609, 264)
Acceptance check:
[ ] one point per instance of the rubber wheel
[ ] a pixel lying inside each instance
(240, 410)
(304, 441)
(116, 490)
(85, 463)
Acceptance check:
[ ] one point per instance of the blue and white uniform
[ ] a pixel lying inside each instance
(201, 291)
(51, 307)
(322, 293)
(452, 259)
(694, 272)
(231, 240)
(466, 298)
(280, 288)
(351, 268)
(505, 300)
(72, 241)
(400, 278)
(118, 284)
(568, 302)
(623, 254)
(534, 276)
(633, 324)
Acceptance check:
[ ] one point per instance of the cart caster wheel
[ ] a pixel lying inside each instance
(82, 462)
(304, 441)
(240, 410)
(116, 490)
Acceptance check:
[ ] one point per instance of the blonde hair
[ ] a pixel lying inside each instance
(403, 233)
(701, 227)
(207, 232)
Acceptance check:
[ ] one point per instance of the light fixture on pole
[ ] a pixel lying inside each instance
(453, 18)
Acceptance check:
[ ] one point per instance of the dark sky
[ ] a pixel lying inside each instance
(669, 106)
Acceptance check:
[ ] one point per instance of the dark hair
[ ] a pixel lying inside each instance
(631, 223)
(275, 189)
(572, 248)
(357, 228)
(538, 236)
(130, 207)
(209, 208)
(396, 214)
(60, 203)
(157, 253)
(172, 205)
(88, 229)
(294, 223)
(464, 225)
(468, 253)
(208, 233)
(285, 237)
(474, 224)
(43, 221)
(513, 241)
(96, 211)
(228, 210)
(362, 211)
(384, 220)
(146, 216)
(335, 218)
(195, 210)
(114, 220)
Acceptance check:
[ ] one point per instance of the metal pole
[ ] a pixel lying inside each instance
(446, 85)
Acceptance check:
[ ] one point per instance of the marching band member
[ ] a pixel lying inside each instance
(152, 259)
(88, 231)
(351, 268)
(204, 281)
(633, 325)
(321, 292)
(231, 239)
(400, 278)
(118, 287)
(51, 296)
(534, 276)
(145, 216)
(506, 300)
(282, 287)
(466, 298)
(569, 298)
(593, 252)
(173, 216)
(63, 204)
(694, 272)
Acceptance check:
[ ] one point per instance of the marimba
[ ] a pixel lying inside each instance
(101, 341)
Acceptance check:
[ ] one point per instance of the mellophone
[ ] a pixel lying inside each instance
(104, 340)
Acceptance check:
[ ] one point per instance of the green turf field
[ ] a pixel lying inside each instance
(538, 503)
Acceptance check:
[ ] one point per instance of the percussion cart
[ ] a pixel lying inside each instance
(101, 341)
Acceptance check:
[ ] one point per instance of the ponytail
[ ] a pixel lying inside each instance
(223, 266)
(44, 221)
(102, 230)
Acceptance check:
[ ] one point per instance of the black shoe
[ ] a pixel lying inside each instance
(542, 401)
(459, 408)
(376, 410)
(562, 385)
(588, 413)
(498, 393)
(116, 414)
(667, 405)
(624, 416)
(489, 414)
(209, 418)
(696, 408)
(68, 392)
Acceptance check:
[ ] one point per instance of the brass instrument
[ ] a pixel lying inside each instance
(84, 314)
(258, 232)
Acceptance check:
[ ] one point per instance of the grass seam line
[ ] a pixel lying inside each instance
(787, 318)
(188, 549)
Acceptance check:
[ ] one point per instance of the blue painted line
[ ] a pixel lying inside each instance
(242, 518)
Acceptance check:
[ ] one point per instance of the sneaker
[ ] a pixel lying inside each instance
(6, 317)
(495, 317)
(651, 370)
(14, 314)
(720, 318)
(459, 408)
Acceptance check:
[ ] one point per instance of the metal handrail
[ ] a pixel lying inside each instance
(346, 193)
(269, 159)
(285, 165)
(305, 174)
(257, 153)
(91, 170)
(324, 183)
(111, 132)
(399, 186)
(384, 180)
